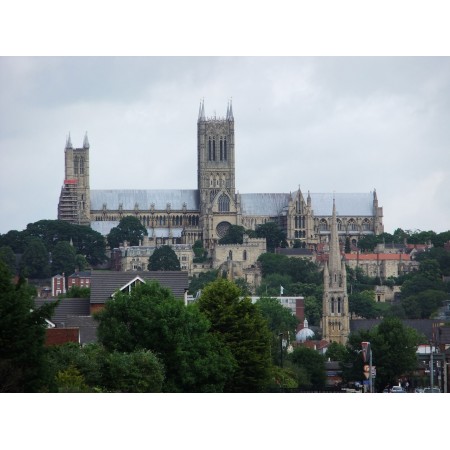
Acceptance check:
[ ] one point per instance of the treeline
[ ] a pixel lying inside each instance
(369, 242)
(148, 341)
(49, 247)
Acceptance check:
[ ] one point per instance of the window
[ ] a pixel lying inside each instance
(214, 149)
(323, 225)
(210, 148)
(224, 203)
(221, 149)
(225, 148)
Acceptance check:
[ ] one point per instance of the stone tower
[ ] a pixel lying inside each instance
(216, 175)
(335, 316)
(74, 201)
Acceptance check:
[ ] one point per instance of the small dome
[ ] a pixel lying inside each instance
(305, 333)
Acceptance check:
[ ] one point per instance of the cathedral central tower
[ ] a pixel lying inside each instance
(216, 174)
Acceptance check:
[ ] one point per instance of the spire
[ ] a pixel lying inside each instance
(201, 111)
(335, 253)
(85, 141)
(230, 111)
(69, 142)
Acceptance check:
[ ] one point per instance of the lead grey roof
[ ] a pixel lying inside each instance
(353, 204)
(160, 197)
(104, 284)
(66, 307)
(263, 204)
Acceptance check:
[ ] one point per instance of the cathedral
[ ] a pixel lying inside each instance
(183, 216)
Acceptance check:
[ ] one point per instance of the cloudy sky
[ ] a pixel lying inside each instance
(343, 124)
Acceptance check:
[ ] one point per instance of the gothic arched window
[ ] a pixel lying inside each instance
(210, 148)
(214, 149)
(76, 162)
(81, 165)
(332, 305)
(323, 225)
(244, 255)
(225, 148)
(224, 203)
(339, 224)
(339, 305)
(351, 225)
(221, 149)
(366, 225)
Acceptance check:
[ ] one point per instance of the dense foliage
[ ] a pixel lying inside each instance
(92, 368)
(242, 327)
(164, 258)
(89, 245)
(394, 348)
(130, 229)
(22, 336)
(150, 318)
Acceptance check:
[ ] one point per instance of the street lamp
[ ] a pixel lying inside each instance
(280, 336)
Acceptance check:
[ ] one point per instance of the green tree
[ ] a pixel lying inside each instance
(150, 318)
(348, 247)
(14, 239)
(394, 347)
(428, 277)
(279, 318)
(92, 368)
(424, 304)
(234, 235)
(63, 258)
(130, 229)
(312, 363)
(313, 310)
(198, 282)
(35, 259)
(164, 258)
(199, 252)
(274, 235)
(280, 321)
(368, 243)
(8, 257)
(244, 330)
(22, 336)
(362, 304)
(86, 241)
(77, 292)
(337, 352)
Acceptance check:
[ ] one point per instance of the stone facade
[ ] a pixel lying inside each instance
(241, 260)
(335, 322)
(205, 213)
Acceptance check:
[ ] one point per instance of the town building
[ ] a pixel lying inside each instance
(58, 285)
(183, 216)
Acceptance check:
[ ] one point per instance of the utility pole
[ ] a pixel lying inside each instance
(431, 366)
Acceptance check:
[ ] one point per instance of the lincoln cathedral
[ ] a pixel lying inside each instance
(184, 216)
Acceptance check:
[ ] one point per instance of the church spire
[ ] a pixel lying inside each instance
(201, 111)
(230, 111)
(69, 142)
(85, 141)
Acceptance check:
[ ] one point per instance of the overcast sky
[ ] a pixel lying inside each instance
(343, 124)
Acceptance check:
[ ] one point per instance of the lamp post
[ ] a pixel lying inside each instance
(280, 335)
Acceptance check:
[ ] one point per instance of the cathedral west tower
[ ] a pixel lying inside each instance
(335, 315)
(74, 201)
(216, 175)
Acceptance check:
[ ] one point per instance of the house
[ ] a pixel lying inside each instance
(58, 285)
(79, 279)
(105, 284)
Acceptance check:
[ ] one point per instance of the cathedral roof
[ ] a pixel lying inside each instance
(353, 204)
(144, 198)
(263, 204)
